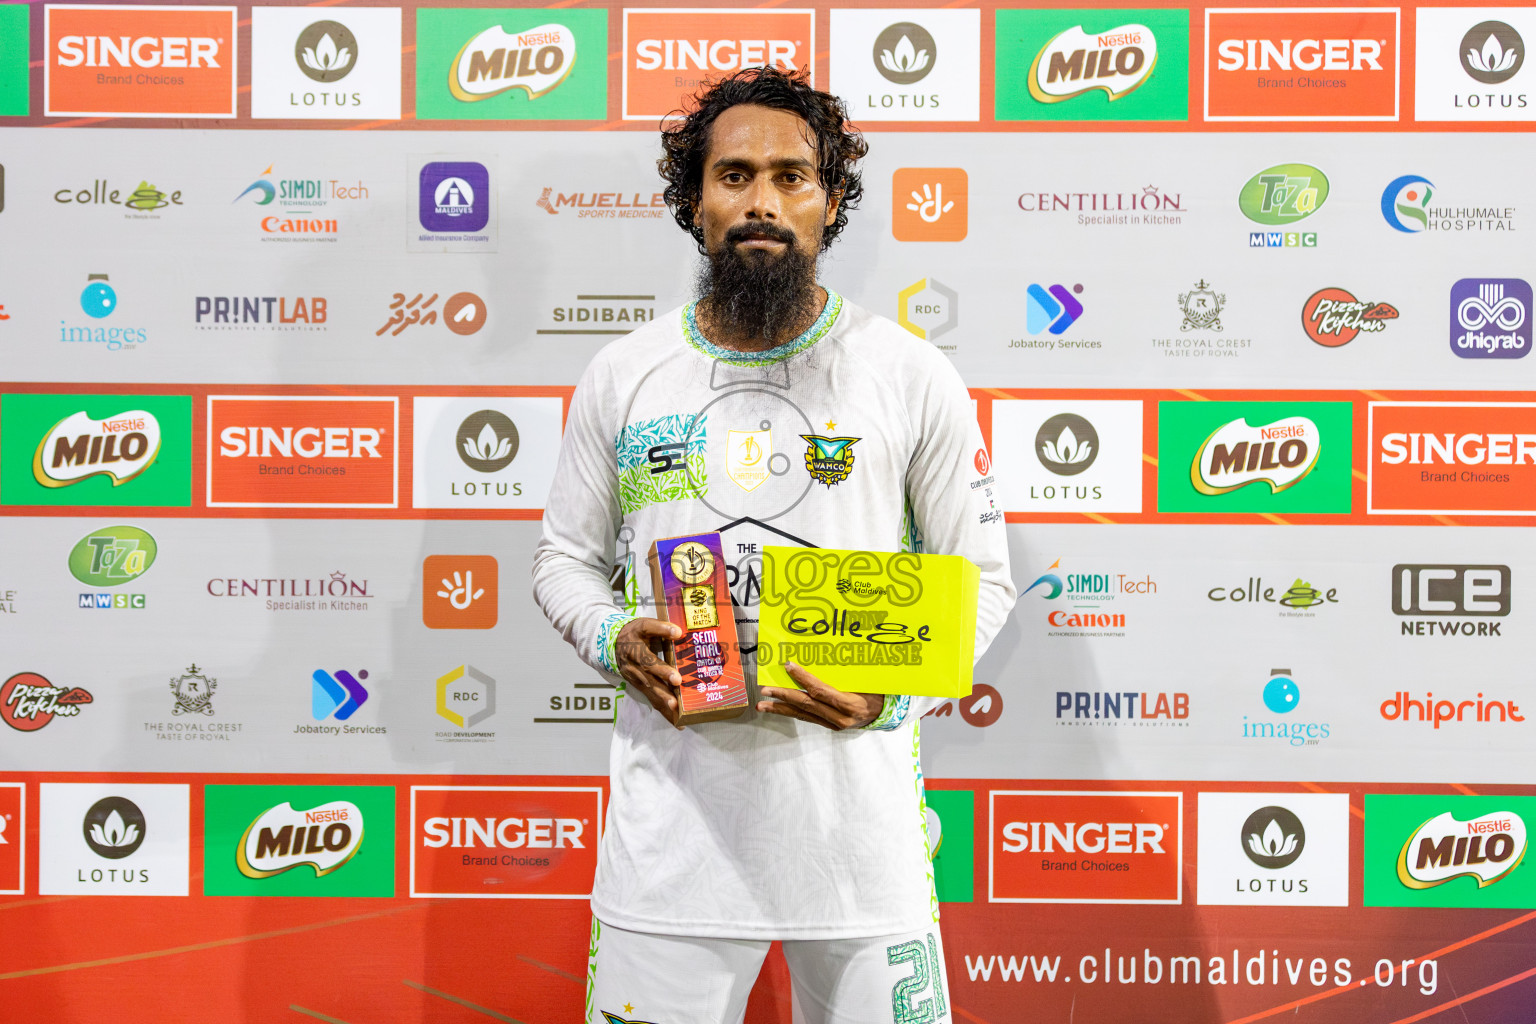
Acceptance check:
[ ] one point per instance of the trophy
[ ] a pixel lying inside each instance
(688, 579)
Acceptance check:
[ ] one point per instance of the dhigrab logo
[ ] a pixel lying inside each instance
(1491, 318)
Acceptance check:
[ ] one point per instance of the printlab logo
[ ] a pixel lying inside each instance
(114, 827)
(1067, 444)
(193, 690)
(1405, 203)
(336, 695)
(487, 441)
(1492, 52)
(1052, 309)
(459, 591)
(930, 204)
(466, 697)
(28, 701)
(326, 51)
(1490, 318)
(930, 310)
(1273, 837)
(1333, 317)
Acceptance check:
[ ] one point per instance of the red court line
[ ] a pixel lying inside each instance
(969, 1016)
(1468, 997)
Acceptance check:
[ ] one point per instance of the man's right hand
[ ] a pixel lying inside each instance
(642, 669)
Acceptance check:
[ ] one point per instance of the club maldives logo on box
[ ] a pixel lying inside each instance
(669, 53)
(13, 838)
(139, 61)
(504, 842)
(522, 63)
(1451, 458)
(302, 452)
(1301, 64)
(1085, 847)
(1448, 851)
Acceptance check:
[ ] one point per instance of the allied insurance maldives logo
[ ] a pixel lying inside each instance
(1301, 64)
(139, 61)
(302, 452)
(669, 53)
(1451, 458)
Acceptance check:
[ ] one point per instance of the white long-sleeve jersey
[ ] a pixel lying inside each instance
(854, 435)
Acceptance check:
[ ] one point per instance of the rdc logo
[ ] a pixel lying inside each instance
(1490, 318)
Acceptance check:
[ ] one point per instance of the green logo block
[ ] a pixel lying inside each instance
(15, 61)
(516, 63)
(112, 556)
(1092, 64)
(1231, 457)
(96, 450)
(1283, 194)
(1449, 851)
(954, 865)
(298, 840)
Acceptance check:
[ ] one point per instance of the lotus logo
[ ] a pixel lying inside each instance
(1280, 454)
(1066, 444)
(114, 827)
(1492, 52)
(326, 51)
(1273, 837)
(904, 53)
(1486, 848)
(487, 441)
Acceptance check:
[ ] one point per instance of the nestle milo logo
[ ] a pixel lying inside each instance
(1283, 194)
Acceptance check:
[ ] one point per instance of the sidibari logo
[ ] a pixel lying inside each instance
(1333, 317)
(78, 447)
(496, 61)
(1117, 61)
(1283, 194)
(1488, 848)
(112, 556)
(281, 839)
(1236, 454)
(1273, 838)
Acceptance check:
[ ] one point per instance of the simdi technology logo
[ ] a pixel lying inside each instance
(135, 60)
(512, 63)
(1448, 850)
(670, 52)
(504, 842)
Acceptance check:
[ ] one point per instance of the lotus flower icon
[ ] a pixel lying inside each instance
(114, 831)
(325, 56)
(1066, 449)
(1492, 52)
(905, 59)
(114, 827)
(1493, 59)
(487, 446)
(1275, 842)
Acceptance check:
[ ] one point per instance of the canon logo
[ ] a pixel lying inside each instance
(720, 55)
(305, 442)
(1459, 449)
(1088, 837)
(143, 52)
(507, 833)
(1299, 55)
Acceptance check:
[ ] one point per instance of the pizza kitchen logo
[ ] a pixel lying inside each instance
(1333, 317)
(28, 701)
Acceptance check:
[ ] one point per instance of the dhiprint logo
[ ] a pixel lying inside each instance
(326, 51)
(459, 591)
(1067, 444)
(28, 701)
(929, 309)
(487, 441)
(907, 65)
(1333, 317)
(113, 839)
(337, 695)
(114, 827)
(669, 53)
(496, 61)
(1054, 309)
(1490, 318)
(1492, 52)
(1405, 203)
(344, 66)
(904, 53)
(1273, 837)
(1273, 849)
(930, 204)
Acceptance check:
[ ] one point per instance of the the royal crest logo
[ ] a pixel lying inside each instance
(79, 447)
(281, 839)
(1486, 848)
(496, 61)
(747, 458)
(1117, 61)
(194, 692)
(1202, 306)
(829, 460)
(1280, 454)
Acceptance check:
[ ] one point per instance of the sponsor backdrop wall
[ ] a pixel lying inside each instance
(292, 301)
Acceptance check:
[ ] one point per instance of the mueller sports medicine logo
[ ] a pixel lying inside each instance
(1279, 454)
(496, 61)
(79, 447)
(504, 842)
(603, 205)
(1085, 847)
(1491, 318)
(1306, 64)
(302, 452)
(281, 838)
(1452, 458)
(669, 54)
(139, 61)
(1486, 848)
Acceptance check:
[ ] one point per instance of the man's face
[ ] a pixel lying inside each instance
(760, 193)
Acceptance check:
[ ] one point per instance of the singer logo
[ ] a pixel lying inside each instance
(1088, 847)
(138, 61)
(13, 833)
(1452, 458)
(1304, 64)
(504, 842)
(332, 452)
(670, 53)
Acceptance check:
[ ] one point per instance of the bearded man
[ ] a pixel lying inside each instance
(776, 412)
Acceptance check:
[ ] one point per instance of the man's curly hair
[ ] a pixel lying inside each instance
(838, 146)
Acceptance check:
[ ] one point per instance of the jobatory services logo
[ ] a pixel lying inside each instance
(337, 695)
(504, 842)
(302, 452)
(1491, 318)
(13, 838)
(1084, 847)
(1283, 196)
(299, 840)
(15, 74)
(512, 64)
(1052, 309)
(111, 557)
(109, 60)
(1333, 317)
(95, 449)
(343, 65)
(669, 53)
(456, 206)
(1450, 600)
(465, 697)
(29, 702)
(1451, 458)
(1470, 64)
(1300, 600)
(1273, 849)
(1280, 697)
(1448, 851)
(1112, 64)
(1068, 456)
(929, 309)
(459, 591)
(907, 64)
(930, 204)
(1218, 457)
(113, 839)
(1303, 64)
(489, 452)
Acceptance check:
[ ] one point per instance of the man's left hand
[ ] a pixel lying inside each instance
(820, 704)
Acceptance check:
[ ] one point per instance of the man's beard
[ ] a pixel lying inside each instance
(755, 293)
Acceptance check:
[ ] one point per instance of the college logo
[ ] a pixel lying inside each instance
(1254, 457)
(1054, 309)
(930, 310)
(193, 691)
(466, 696)
(504, 842)
(669, 54)
(84, 449)
(113, 839)
(1468, 72)
(1405, 203)
(138, 61)
(1085, 847)
(1298, 601)
(1308, 64)
(1069, 457)
(142, 201)
(298, 840)
(13, 838)
(337, 695)
(1111, 65)
(28, 701)
(486, 452)
(1333, 317)
(930, 204)
(829, 460)
(889, 68)
(301, 452)
(1490, 318)
(1447, 851)
(1273, 849)
(1452, 458)
(459, 591)
(512, 63)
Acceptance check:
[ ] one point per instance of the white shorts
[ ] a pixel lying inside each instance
(640, 978)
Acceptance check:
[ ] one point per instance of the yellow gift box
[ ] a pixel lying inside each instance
(869, 621)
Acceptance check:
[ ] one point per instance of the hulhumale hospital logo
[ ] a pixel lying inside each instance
(1405, 203)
